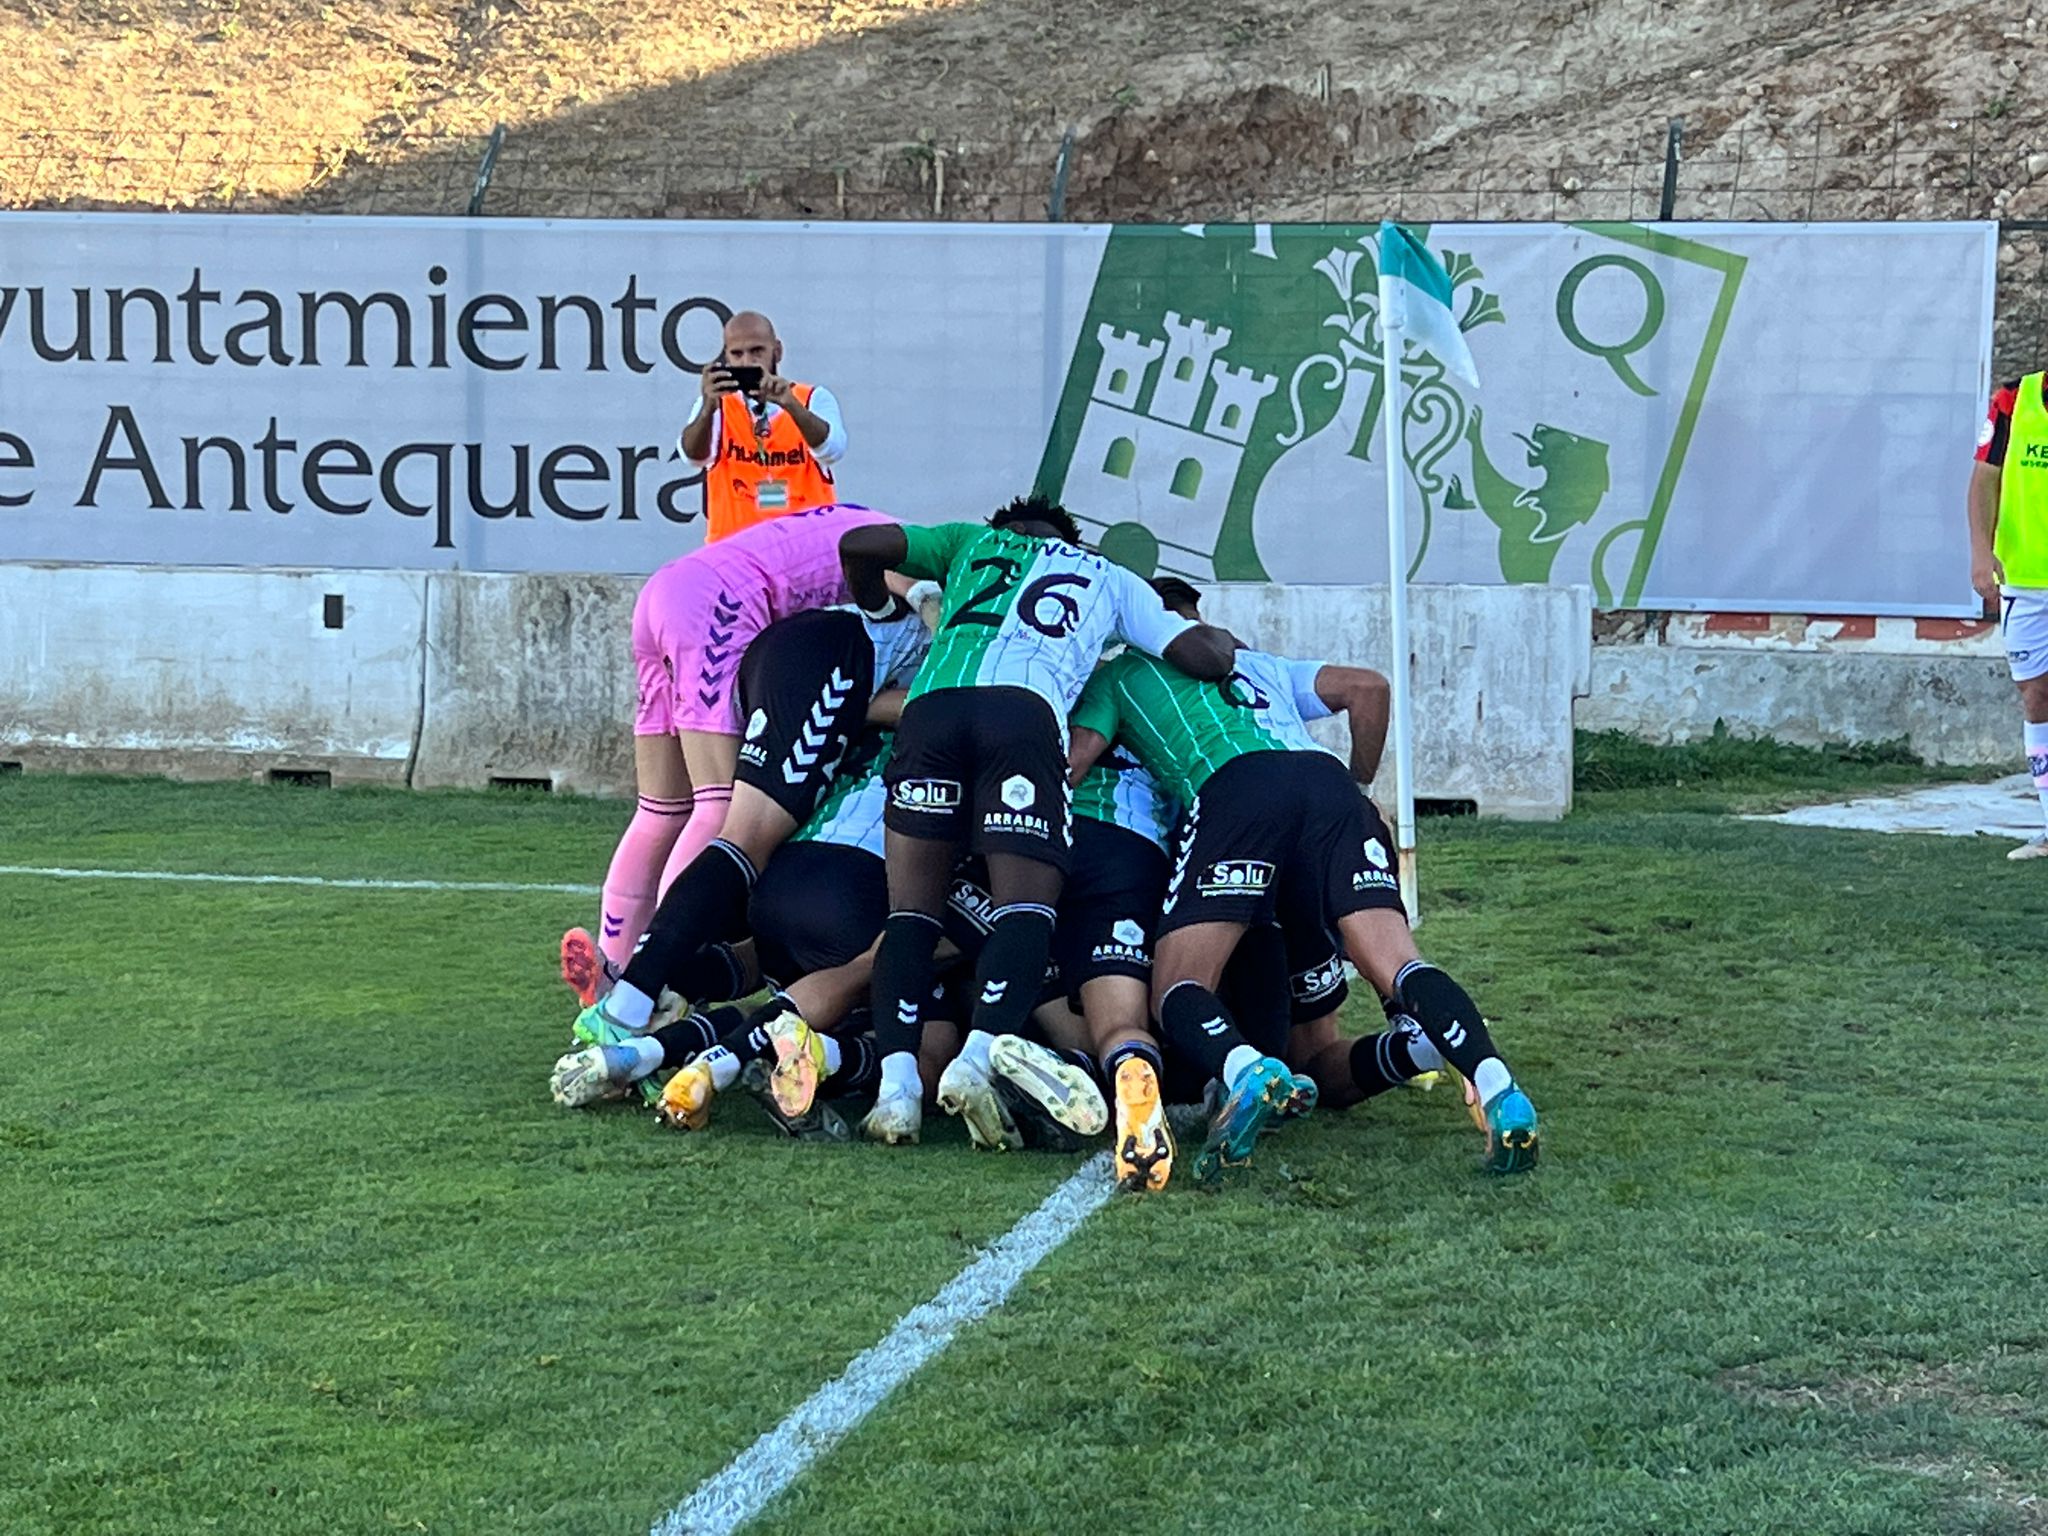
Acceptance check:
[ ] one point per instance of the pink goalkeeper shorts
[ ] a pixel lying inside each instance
(691, 625)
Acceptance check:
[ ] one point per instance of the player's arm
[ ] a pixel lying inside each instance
(1203, 651)
(1986, 574)
(1993, 433)
(867, 554)
(1092, 724)
(1366, 700)
(886, 707)
(1084, 747)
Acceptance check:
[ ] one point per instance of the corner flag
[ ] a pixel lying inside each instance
(1415, 304)
(1416, 282)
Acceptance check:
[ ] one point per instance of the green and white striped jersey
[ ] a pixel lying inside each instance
(1120, 791)
(850, 815)
(1022, 612)
(1184, 730)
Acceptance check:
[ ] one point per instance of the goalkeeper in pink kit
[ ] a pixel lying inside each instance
(692, 623)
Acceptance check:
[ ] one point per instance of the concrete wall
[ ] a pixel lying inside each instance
(210, 674)
(1497, 670)
(529, 677)
(1940, 684)
(455, 679)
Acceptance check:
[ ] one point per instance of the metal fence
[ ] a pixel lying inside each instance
(1977, 165)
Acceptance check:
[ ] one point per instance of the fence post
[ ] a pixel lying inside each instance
(484, 167)
(1674, 139)
(1056, 205)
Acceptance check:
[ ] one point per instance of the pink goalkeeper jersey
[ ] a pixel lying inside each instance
(793, 560)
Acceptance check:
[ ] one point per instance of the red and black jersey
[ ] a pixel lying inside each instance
(1997, 427)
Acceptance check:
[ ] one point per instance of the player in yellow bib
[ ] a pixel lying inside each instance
(2009, 558)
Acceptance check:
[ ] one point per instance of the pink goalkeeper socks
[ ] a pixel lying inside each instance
(631, 885)
(707, 820)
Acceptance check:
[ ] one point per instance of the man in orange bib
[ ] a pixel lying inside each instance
(766, 442)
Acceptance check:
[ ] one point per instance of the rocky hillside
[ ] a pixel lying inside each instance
(1178, 109)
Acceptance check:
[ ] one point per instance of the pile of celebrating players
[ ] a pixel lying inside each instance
(1004, 832)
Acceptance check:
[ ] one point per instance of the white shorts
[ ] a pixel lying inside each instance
(2023, 624)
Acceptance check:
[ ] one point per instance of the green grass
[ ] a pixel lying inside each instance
(1727, 772)
(294, 1243)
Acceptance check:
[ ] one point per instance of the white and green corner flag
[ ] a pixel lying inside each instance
(1415, 305)
(1415, 294)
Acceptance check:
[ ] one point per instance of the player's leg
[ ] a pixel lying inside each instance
(817, 914)
(609, 1061)
(1350, 1071)
(710, 757)
(1007, 973)
(771, 1032)
(1346, 1071)
(1361, 896)
(704, 627)
(1103, 946)
(633, 881)
(1017, 810)
(1254, 988)
(902, 985)
(706, 908)
(802, 694)
(698, 972)
(1232, 844)
(2024, 622)
(1382, 947)
(1196, 1025)
(925, 830)
(1118, 1012)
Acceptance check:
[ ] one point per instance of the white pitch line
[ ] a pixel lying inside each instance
(333, 882)
(729, 1499)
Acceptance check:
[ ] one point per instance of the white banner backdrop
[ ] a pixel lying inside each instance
(1693, 416)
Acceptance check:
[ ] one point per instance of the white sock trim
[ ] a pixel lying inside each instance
(629, 1007)
(646, 1053)
(1242, 1059)
(723, 1065)
(1492, 1077)
(900, 1074)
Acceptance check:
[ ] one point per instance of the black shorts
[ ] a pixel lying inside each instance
(803, 696)
(816, 906)
(1108, 906)
(1283, 835)
(984, 769)
(1316, 986)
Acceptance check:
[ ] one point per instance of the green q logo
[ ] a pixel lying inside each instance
(1615, 354)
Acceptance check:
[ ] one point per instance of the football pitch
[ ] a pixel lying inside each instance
(294, 1241)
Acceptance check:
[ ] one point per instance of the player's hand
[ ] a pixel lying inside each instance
(777, 390)
(1987, 576)
(716, 383)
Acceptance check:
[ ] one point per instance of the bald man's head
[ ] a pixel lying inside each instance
(751, 342)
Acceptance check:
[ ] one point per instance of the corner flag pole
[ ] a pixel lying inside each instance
(1393, 322)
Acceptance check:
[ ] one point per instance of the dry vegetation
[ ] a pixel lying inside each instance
(905, 108)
